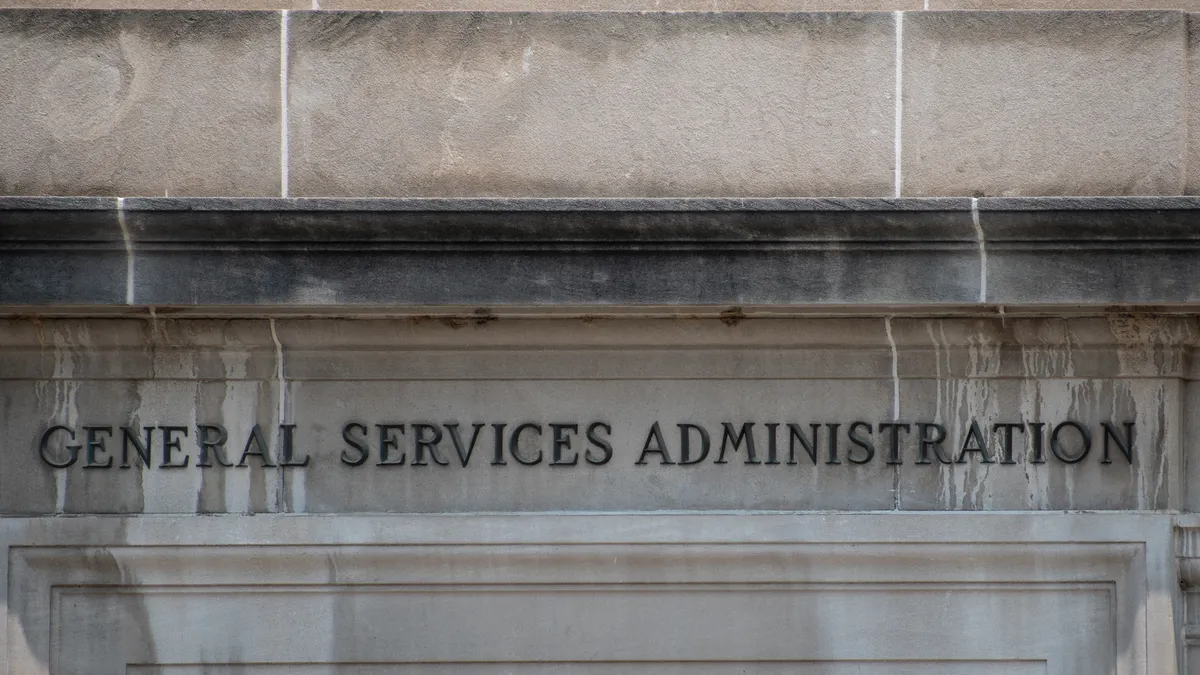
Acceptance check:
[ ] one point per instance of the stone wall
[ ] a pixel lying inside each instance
(613, 104)
(456, 393)
(547, 336)
(443, 554)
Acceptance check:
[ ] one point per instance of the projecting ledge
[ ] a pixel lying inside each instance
(587, 253)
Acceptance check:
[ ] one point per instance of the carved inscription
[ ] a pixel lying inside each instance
(583, 444)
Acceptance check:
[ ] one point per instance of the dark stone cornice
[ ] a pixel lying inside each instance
(202, 252)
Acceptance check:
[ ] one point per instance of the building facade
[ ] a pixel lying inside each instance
(540, 336)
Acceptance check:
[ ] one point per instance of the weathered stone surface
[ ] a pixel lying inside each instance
(483, 255)
(187, 5)
(1193, 104)
(661, 593)
(1025, 5)
(487, 257)
(482, 5)
(591, 105)
(625, 5)
(139, 103)
(1044, 103)
(624, 375)
(607, 5)
(1123, 369)
(1061, 254)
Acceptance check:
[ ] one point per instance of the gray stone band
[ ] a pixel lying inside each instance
(481, 253)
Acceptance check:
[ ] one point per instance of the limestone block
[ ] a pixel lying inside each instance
(484, 260)
(482, 5)
(139, 103)
(190, 5)
(91, 267)
(1043, 103)
(502, 414)
(615, 593)
(1060, 250)
(1193, 103)
(1190, 5)
(625, 5)
(136, 374)
(578, 104)
(1055, 371)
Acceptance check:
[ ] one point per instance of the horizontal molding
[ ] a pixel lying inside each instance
(488, 347)
(483, 254)
(140, 561)
(1155, 531)
(1097, 203)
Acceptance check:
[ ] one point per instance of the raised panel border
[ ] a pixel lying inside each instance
(1133, 553)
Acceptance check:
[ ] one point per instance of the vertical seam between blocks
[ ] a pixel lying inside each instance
(982, 249)
(897, 176)
(283, 104)
(128, 241)
(887, 327)
(281, 381)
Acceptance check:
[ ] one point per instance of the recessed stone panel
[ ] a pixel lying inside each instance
(661, 593)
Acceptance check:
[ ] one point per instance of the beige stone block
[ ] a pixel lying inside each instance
(1063, 4)
(1193, 105)
(556, 105)
(1043, 103)
(625, 5)
(139, 103)
(189, 5)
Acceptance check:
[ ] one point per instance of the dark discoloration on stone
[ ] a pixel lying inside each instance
(1135, 256)
(1099, 251)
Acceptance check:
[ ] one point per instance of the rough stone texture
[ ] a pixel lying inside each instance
(627, 373)
(139, 103)
(1044, 103)
(1191, 426)
(1193, 105)
(187, 5)
(1188, 608)
(1026, 5)
(1050, 370)
(422, 104)
(609, 5)
(1061, 254)
(485, 255)
(484, 5)
(493, 256)
(625, 5)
